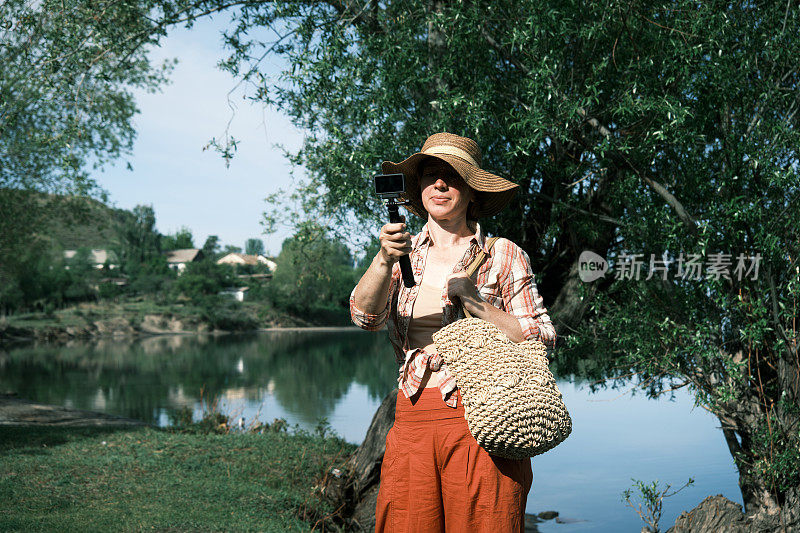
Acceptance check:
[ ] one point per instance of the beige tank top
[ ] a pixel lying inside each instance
(426, 318)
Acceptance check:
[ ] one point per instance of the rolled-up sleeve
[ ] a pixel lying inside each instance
(524, 302)
(369, 321)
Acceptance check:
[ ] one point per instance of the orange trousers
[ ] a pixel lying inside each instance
(436, 478)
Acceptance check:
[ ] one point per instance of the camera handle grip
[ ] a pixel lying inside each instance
(405, 262)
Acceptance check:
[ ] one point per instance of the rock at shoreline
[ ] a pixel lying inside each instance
(111, 327)
(530, 523)
(166, 324)
(114, 326)
(715, 513)
(78, 331)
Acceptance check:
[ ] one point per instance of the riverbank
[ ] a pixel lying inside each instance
(123, 478)
(81, 470)
(16, 411)
(141, 316)
(81, 458)
(141, 478)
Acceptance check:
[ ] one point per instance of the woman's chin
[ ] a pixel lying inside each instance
(441, 214)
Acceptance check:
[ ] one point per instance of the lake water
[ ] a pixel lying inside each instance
(343, 377)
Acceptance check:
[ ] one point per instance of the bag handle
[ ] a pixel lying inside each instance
(474, 265)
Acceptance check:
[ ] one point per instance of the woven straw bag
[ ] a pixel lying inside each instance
(511, 401)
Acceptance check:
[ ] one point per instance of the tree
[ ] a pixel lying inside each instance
(203, 279)
(370, 251)
(25, 248)
(654, 128)
(254, 247)
(66, 104)
(66, 107)
(211, 247)
(140, 239)
(314, 275)
(36, 278)
(82, 275)
(180, 240)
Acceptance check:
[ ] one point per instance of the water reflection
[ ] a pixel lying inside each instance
(307, 373)
(343, 376)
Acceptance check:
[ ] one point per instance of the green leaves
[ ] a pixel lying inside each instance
(652, 498)
(64, 83)
(314, 275)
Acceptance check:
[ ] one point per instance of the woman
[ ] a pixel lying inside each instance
(435, 476)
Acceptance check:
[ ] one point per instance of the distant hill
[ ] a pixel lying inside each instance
(73, 222)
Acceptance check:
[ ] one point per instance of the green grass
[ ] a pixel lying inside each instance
(56, 479)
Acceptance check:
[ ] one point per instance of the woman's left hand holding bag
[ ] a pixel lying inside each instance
(461, 287)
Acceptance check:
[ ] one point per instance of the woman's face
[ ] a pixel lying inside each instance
(445, 195)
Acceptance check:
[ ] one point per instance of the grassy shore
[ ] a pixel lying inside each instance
(88, 479)
(135, 308)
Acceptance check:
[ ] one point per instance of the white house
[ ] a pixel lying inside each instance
(177, 259)
(98, 257)
(237, 293)
(236, 258)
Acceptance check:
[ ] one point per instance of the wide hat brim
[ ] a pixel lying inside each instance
(492, 192)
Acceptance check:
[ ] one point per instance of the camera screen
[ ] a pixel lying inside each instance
(389, 183)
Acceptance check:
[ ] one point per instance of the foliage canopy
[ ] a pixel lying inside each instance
(667, 128)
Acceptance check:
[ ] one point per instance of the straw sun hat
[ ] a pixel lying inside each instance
(492, 192)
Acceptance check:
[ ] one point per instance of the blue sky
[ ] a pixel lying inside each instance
(188, 186)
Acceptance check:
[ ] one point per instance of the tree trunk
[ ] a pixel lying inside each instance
(356, 491)
(766, 510)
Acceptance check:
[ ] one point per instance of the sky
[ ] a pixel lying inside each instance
(188, 186)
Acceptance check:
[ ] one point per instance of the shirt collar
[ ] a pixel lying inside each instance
(424, 236)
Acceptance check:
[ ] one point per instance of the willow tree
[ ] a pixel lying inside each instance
(67, 68)
(663, 128)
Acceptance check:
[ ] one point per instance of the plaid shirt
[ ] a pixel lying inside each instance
(505, 280)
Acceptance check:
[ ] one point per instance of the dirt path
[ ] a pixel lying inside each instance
(18, 412)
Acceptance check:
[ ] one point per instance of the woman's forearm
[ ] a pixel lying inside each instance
(506, 322)
(372, 290)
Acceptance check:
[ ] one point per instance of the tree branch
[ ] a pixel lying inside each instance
(775, 316)
(617, 157)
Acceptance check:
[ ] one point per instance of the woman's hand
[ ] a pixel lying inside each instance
(395, 242)
(369, 301)
(461, 286)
